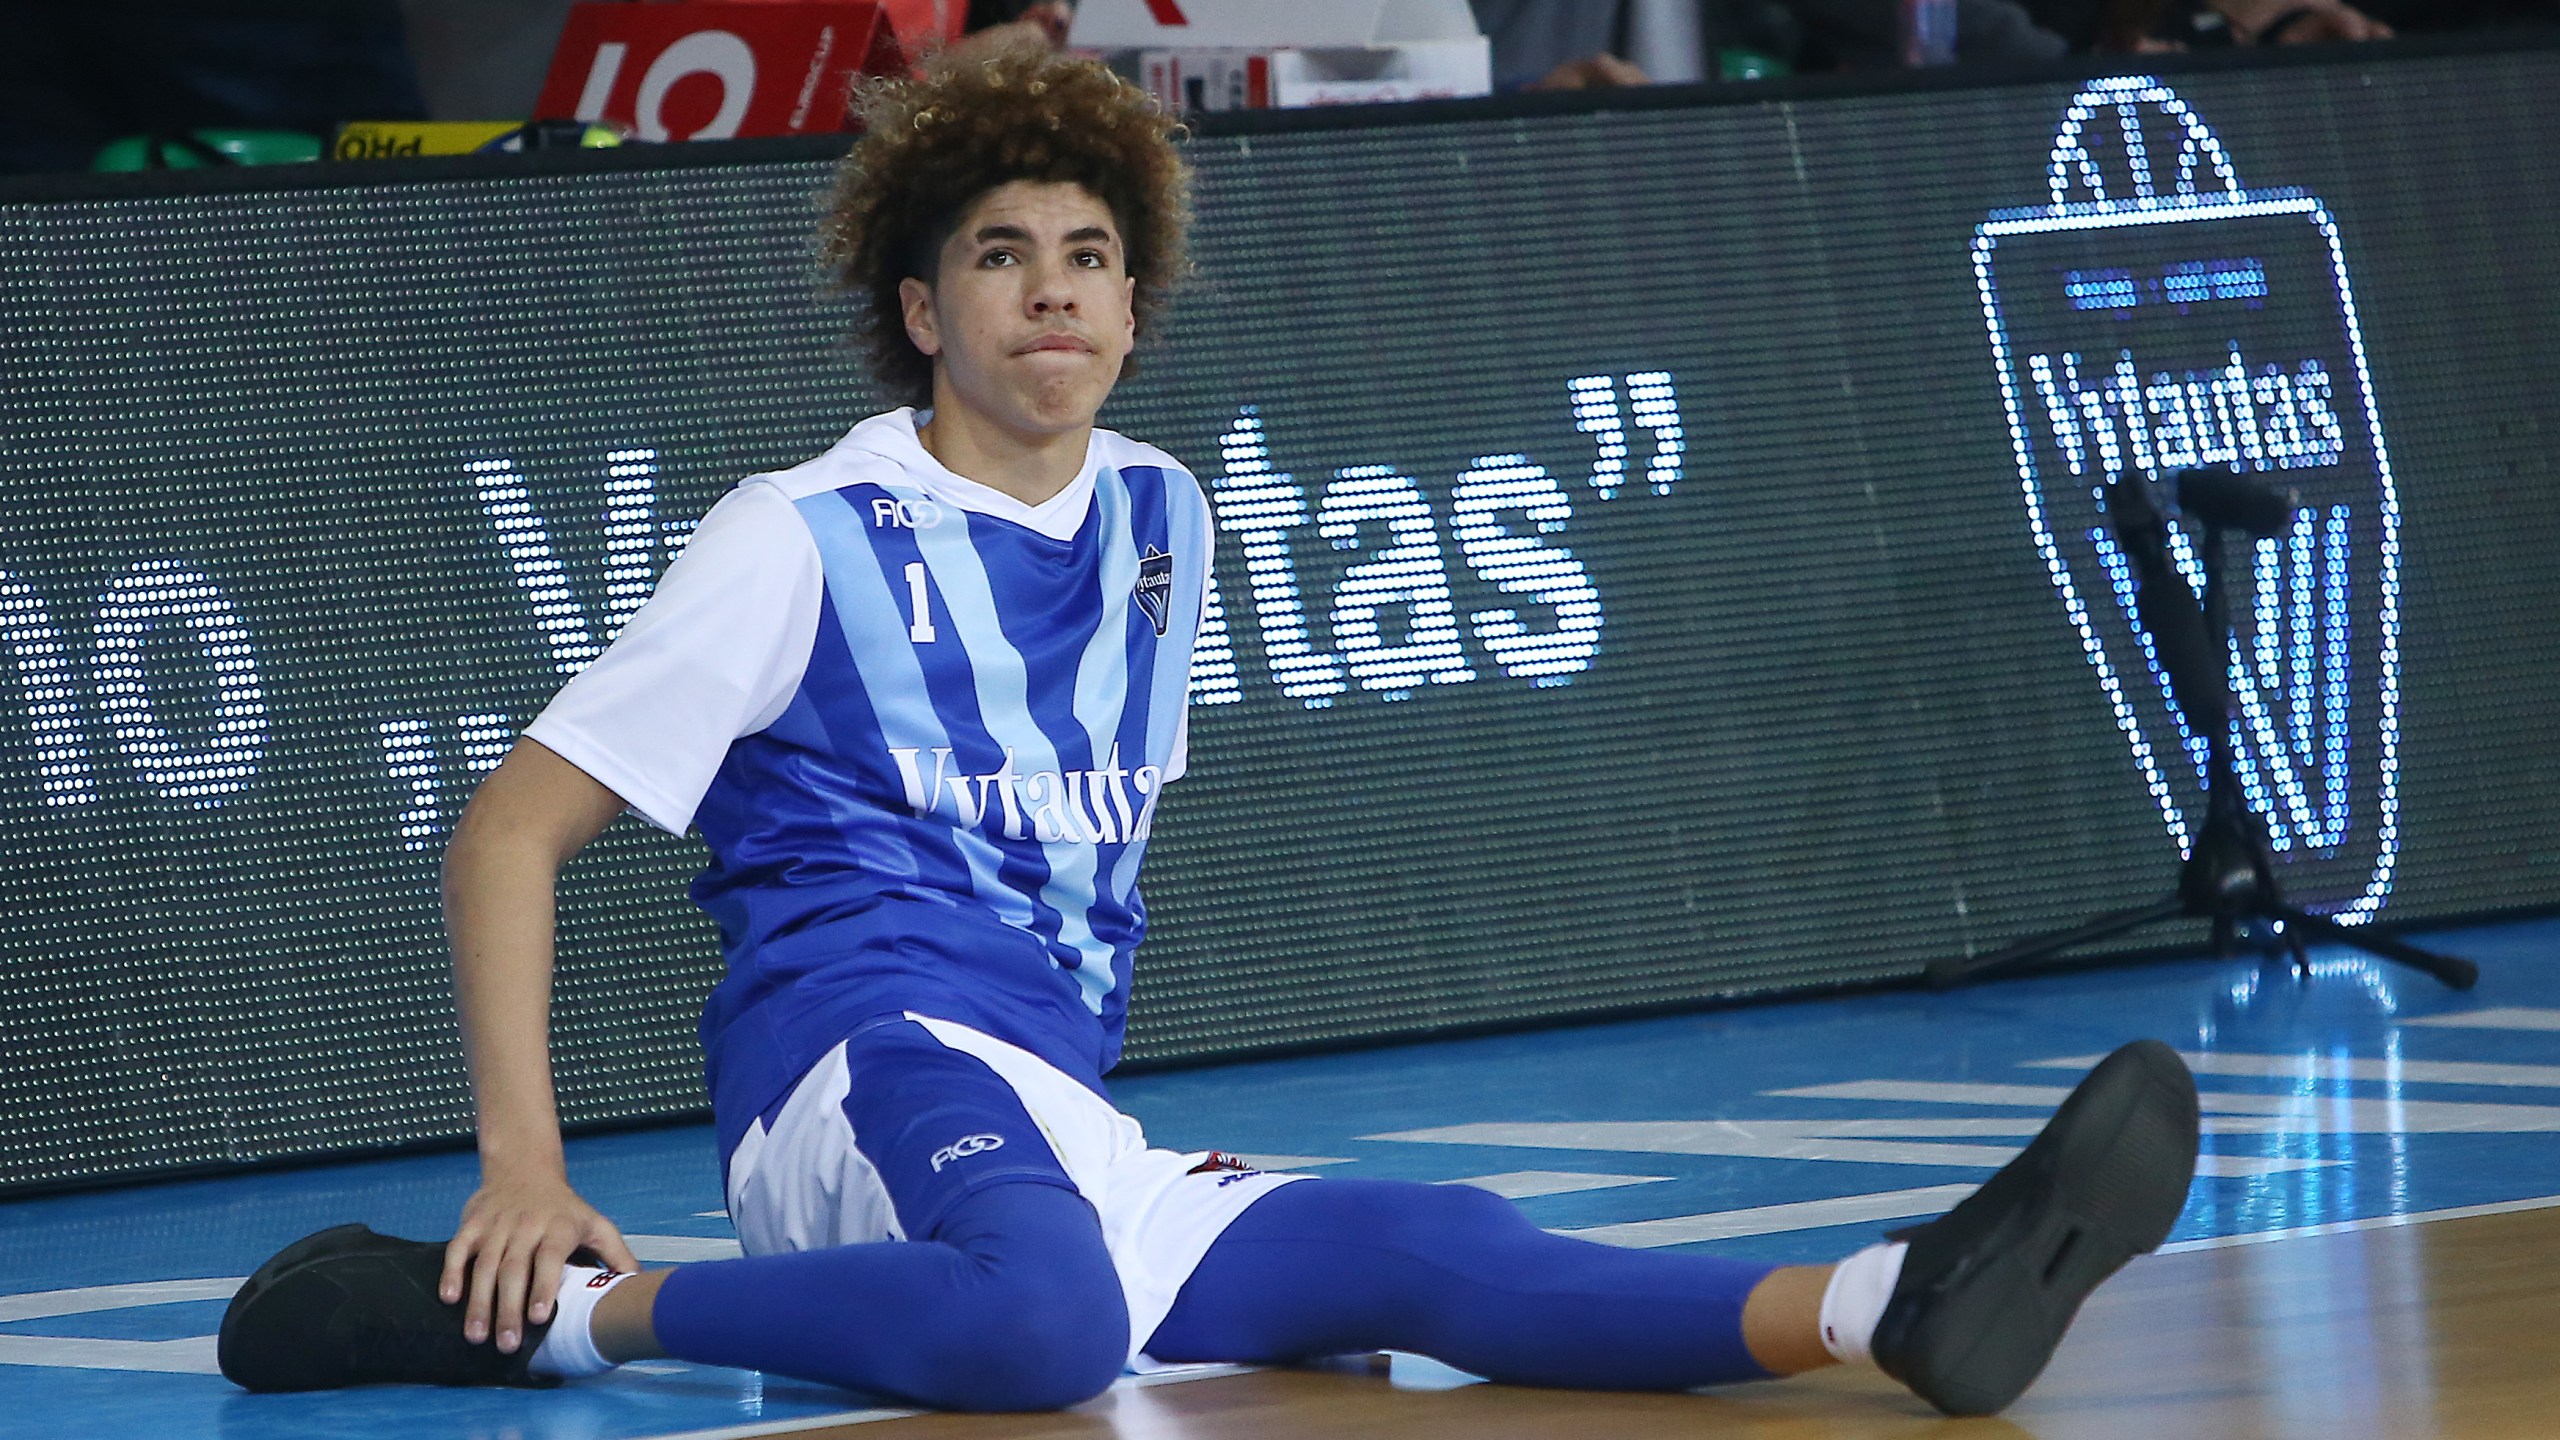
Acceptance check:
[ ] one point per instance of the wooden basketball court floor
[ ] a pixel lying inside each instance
(2372, 1249)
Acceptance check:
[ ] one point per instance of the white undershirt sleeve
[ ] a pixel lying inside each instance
(715, 655)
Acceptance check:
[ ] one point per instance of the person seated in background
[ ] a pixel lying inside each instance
(74, 77)
(2125, 26)
(994, 26)
(1602, 44)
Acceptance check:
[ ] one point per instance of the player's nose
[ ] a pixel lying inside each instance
(1049, 291)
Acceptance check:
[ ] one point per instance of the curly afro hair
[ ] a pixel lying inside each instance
(932, 145)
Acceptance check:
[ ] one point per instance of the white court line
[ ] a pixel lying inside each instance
(786, 1427)
(2378, 1222)
(682, 1249)
(1125, 1383)
(2241, 1113)
(2500, 1017)
(1525, 1184)
(2303, 1065)
(1287, 1162)
(45, 1304)
(1871, 1142)
(1771, 1219)
(189, 1355)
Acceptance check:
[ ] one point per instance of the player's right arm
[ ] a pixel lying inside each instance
(527, 819)
(717, 653)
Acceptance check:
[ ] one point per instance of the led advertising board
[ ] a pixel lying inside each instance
(1658, 560)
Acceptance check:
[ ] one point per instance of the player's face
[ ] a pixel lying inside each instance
(1030, 317)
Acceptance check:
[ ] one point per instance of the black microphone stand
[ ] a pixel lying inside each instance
(2229, 875)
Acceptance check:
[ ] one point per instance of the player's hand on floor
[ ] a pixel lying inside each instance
(505, 1258)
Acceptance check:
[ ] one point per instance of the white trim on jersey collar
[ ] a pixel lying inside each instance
(893, 437)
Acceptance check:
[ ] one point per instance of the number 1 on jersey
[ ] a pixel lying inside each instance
(921, 631)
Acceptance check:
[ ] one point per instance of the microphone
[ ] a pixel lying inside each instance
(2227, 500)
(2168, 606)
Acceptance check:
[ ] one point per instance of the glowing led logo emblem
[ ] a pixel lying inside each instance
(2156, 316)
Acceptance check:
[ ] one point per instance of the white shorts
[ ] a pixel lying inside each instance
(802, 1184)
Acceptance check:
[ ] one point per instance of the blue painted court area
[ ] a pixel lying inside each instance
(1784, 1131)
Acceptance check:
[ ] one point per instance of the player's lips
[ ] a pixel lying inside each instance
(1056, 342)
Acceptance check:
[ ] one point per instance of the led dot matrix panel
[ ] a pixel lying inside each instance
(1660, 557)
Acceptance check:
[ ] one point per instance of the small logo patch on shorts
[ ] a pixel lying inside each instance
(966, 1145)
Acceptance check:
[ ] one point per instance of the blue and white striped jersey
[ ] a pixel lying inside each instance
(924, 728)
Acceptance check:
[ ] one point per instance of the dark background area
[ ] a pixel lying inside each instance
(1838, 721)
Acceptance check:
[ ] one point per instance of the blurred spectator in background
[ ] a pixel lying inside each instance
(1867, 34)
(1002, 24)
(73, 77)
(1580, 44)
(2106, 26)
(483, 59)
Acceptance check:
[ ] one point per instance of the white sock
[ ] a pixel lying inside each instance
(568, 1350)
(1854, 1301)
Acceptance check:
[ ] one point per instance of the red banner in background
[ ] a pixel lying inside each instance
(921, 24)
(924, 24)
(697, 70)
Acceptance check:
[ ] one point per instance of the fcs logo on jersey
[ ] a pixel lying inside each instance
(904, 512)
(1155, 587)
(2155, 316)
(965, 1146)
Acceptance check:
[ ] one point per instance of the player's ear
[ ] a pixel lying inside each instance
(915, 306)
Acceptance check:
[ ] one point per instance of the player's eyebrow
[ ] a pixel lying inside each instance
(1018, 235)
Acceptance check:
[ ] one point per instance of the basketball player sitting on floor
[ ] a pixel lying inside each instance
(921, 695)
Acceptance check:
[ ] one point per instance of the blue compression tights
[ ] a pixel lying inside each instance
(1330, 1267)
(1013, 1303)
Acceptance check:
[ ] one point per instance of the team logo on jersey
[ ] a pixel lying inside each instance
(964, 1147)
(1110, 804)
(1155, 587)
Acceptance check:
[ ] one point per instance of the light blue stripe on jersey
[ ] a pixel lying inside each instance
(1004, 703)
(1102, 675)
(867, 609)
(1185, 531)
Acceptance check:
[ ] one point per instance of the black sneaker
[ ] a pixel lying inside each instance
(1988, 1288)
(349, 1307)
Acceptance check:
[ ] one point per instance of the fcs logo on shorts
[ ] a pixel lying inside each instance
(2156, 317)
(964, 1147)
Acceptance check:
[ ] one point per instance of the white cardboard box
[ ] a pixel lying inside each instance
(1246, 54)
(1416, 70)
(1197, 80)
(1266, 24)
